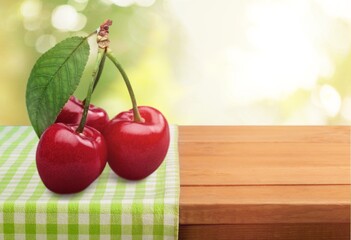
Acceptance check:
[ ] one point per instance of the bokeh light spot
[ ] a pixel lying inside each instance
(31, 8)
(66, 18)
(106, 2)
(81, 22)
(45, 42)
(346, 108)
(337, 9)
(330, 100)
(32, 25)
(79, 5)
(127, 3)
(145, 3)
(81, 1)
(123, 3)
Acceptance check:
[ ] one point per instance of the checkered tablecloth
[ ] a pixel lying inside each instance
(111, 208)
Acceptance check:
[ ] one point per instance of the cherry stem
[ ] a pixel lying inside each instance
(99, 58)
(101, 67)
(137, 117)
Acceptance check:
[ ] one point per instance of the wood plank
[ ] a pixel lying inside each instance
(265, 232)
(282, 134)
(299, 150)
(263, 213)
(287, 160)
(295, 194)
(265, 204)
(321, 156)
(253, 182)
(223, 175)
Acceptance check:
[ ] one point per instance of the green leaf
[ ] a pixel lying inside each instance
(54, 78)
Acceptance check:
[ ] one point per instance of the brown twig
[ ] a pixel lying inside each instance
(103, 40)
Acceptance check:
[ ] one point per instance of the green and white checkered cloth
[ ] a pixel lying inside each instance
(111, 208)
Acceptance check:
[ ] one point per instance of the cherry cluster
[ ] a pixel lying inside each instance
(73, 152)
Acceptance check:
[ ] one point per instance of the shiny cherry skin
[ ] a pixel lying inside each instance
(135, 150)
(73, 110)
(67, 161)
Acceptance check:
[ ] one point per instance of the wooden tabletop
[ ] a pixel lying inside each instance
(252, 182)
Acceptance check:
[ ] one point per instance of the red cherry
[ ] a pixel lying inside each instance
(68, 161)
(137, 149)
(73, 110)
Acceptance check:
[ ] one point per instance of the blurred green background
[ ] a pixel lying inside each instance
(199, 62)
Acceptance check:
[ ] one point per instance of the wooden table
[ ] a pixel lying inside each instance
(253, 182)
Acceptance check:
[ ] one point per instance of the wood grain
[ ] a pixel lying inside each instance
(288, 194)
(222, 175)
(264, 182)
(266, 232)
(265, 204)
(264, 155)
(282, 134)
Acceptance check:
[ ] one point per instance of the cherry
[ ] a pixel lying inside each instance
(73, 110)
(137, 140)
(69, 156)
(137, 149)
(69, 161)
